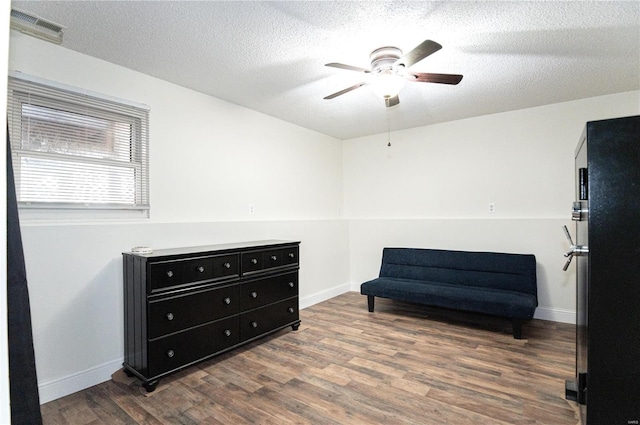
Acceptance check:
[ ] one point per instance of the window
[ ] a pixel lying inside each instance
(75, 150)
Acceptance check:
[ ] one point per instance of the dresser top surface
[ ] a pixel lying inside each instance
(236, 246)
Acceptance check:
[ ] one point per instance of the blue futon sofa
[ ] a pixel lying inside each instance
(484, 282)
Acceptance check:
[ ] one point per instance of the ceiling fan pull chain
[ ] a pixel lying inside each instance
(388, 129)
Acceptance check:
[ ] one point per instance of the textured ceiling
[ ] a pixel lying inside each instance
(269, 56)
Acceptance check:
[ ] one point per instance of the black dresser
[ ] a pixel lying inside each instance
(186, 305)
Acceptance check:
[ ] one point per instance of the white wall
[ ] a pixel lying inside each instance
(209, 160)
(432, 189)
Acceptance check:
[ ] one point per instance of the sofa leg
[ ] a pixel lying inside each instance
(370, 302)
(517, 328)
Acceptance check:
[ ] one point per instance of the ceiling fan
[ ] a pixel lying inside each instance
(390, 69)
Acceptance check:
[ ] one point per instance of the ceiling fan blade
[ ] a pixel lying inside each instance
(348, 89)
(391, 101)
(420, 52)
(347, 67)
(421, 77)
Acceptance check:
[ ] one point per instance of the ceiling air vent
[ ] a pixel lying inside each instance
(35, 26)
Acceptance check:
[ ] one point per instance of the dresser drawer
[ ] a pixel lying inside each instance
(168, 315)
(268, 318)
(255, 261)
(289, 255)
(265, 291)
(177, 350)
(251, 262)
(272, 258)
(167, 274)
(226, 266)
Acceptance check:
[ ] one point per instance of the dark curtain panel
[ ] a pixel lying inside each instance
(23, 383)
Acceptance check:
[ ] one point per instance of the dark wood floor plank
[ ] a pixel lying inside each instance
(402, 364)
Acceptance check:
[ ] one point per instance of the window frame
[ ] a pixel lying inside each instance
(25, 89)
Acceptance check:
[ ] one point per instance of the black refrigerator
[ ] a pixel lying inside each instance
(606, 212)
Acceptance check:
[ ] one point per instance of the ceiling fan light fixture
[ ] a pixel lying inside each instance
(387, 84)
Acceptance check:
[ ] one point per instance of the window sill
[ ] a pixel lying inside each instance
(35, 216)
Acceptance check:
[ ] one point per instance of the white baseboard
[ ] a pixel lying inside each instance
(318, 297)
(70, 384)
(555, 315)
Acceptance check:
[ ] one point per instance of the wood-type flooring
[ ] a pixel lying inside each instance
(403, 364)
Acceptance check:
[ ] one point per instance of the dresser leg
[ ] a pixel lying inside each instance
(150, 386)
(295, 327)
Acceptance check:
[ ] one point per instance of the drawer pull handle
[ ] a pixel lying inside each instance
(254, 295)
(170, 273)
(274, 258)
(291, 255)
(227, 301)
(290, 309)
(170, 353)
(227, 265)
(291, 284)
(227, 332)
(201, 269)
(254, 324)
(169, 316)
(254, 261)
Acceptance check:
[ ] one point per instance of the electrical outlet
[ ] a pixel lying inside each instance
(492, 207)
(251, 209)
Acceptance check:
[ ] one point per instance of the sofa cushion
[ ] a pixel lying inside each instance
(487, 300)
(488, 270)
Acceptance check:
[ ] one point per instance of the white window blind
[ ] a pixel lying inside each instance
(77, 150)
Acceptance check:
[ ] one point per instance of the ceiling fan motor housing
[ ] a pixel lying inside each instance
(387, 80)
(382, 59)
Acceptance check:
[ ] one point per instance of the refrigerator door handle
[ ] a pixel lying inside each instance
(566, 265)
(574, 250)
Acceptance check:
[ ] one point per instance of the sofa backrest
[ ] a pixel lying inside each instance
(514, 272)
